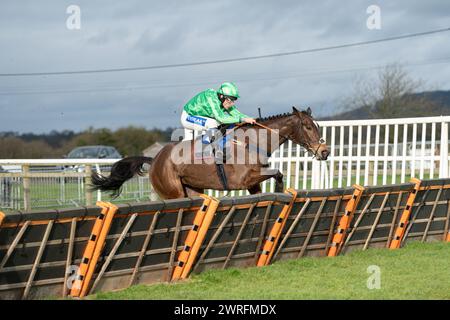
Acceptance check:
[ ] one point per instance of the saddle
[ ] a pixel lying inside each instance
(215, 144)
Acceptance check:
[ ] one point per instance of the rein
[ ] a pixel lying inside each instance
(262, 126)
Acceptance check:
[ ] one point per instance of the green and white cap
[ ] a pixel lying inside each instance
(229, 89)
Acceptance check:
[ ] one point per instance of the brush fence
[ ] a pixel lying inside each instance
(75, 252)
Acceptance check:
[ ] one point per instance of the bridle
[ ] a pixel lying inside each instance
(305, 145)
(321, 142)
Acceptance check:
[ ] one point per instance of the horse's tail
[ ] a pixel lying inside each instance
(121, 171)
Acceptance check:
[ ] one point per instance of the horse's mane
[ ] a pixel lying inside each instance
(273, 117)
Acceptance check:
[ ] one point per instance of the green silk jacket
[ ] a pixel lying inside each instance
(207, 104)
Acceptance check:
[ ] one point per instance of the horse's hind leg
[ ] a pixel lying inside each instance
(172, 191)
(278, 176)
(279, 185)
(169, 187)
(255, 189)
(192, 192)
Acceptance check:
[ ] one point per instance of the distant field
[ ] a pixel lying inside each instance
(418, 271)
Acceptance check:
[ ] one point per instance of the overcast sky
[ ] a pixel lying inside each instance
(34, 38)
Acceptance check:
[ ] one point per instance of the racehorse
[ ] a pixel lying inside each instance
(172, 178)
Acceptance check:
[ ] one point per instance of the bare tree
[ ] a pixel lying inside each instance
(392, 94)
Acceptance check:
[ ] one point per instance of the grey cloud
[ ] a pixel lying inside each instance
(108, 36)
(33, 37)
(160, 40)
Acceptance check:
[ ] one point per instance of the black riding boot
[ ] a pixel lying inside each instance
(219, 159)
(222, 176)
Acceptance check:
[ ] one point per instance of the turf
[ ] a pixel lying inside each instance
(417, 271)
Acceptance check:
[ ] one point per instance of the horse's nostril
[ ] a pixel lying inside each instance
(325, 154)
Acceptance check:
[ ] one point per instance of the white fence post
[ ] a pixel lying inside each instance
(87, 182)
(26, 187)
(315, 175)
(443, 171)
(99, 193)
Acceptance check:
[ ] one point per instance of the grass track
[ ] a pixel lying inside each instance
(418, 271)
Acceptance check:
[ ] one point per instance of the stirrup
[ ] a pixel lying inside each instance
(218, 150)
(206, 139)
(219, 154)
(209, 136)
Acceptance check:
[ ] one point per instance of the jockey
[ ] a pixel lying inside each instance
(211, 108)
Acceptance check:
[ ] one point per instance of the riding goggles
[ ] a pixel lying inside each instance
(230, 98)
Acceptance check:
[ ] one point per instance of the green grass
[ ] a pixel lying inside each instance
(53, 193)
(418, 271)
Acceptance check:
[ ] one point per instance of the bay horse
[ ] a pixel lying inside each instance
(173, 179)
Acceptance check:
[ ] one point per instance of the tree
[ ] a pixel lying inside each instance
(16, 148)
(133, 140)
(392, 94)
(129, 141)
(92, 136)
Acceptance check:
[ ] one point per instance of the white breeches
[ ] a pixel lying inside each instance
(197, 123)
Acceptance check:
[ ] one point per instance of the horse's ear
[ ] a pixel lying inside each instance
(309, 111)
(295, 109)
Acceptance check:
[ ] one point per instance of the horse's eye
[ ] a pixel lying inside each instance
(308, 128)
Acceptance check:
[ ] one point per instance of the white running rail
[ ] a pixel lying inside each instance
(366, 152)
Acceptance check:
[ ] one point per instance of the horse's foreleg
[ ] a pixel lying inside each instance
(269, 173)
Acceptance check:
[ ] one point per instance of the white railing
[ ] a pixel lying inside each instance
(367, 152)
(383, 151)
(53, 183)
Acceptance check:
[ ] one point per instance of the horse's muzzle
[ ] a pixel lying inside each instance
(324, 154)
